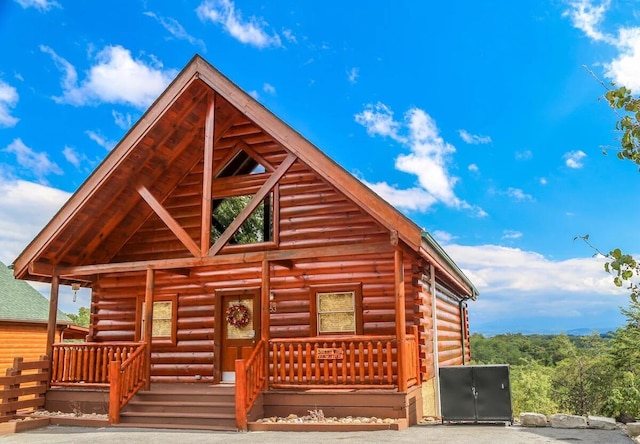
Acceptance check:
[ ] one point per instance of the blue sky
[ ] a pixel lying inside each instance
(479, 120)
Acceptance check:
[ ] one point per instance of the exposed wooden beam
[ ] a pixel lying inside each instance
(207, 177)
(169, 221)
(39, 269)
(253, 204)
(255, 155)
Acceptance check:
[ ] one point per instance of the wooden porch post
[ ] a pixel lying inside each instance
(148, 324)
(266, 316)
(401, 329)
(53, 314)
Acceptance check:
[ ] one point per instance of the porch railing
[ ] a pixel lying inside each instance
(127, 378)
(250, 380)
(358, 362)
(87, 363)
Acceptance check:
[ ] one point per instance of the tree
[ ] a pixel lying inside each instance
(82, 318)
(531, 388)
(627, 107)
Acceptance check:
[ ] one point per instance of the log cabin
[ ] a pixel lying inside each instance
(228, 256)
(24, 315)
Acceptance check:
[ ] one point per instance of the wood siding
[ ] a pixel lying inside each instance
(449, 333)
(22, 340)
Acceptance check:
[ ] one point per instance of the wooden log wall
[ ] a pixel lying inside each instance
(25, 340)
(449, 332)
(423, 317)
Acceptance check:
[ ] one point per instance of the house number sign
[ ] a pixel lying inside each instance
(329, 353)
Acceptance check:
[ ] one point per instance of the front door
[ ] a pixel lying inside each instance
(239, 327)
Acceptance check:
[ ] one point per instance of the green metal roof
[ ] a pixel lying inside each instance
(19, 301)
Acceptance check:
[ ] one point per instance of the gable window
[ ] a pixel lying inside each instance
(337, 311)
(256, 229)
(232, 193)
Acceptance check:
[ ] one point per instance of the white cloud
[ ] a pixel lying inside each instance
(443, 237)
(251, 31)
(624, 69)
(98, 138)
(411, 199)
(176, 29)
(37, 163)
(41, 5)
(253, 93)
(115, 77)
(25, 208)
(511, 234)
(428, 159)
(574, 159)
(473, 139)
(473, 167)
(518, 194)
(8, 99)
(497, 268)
(524, 155)
(71, 155)
(124, 121)
(378, 120)
(543, 181)
(289, 36)
(588, 17)
(352, 75)
(269, 88)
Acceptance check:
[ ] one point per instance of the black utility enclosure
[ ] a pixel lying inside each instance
(478, 393)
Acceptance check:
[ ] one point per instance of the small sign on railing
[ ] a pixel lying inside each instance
(329, 353)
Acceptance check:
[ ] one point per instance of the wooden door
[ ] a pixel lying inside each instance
(239, 327)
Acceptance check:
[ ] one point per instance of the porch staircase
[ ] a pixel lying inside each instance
(182, 406)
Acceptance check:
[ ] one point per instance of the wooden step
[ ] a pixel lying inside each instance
(145, 425)
(140, 405)
(185, 420)
(180, 406)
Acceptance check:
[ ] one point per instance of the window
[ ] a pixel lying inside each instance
(162, 319)
(337, 311)
(256, 229)
(164, 322)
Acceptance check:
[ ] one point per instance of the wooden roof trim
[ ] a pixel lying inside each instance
(329, 170)
(73, 273)
(106, 168)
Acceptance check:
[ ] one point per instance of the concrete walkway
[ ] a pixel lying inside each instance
(475, 434)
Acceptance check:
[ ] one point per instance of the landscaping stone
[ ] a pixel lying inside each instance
(601, 422)
(562, 421)
(529, 419)
(633, 429)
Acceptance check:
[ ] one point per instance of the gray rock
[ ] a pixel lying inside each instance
(562, 421)
(529, 419)
(633, 429)
(601, 422)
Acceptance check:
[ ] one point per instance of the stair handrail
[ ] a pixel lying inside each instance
(125, 380)
(251, 375)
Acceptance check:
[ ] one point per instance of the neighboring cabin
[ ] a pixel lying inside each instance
(213, 232)
(23, 321)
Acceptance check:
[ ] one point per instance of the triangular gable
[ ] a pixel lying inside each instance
(186, 95)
